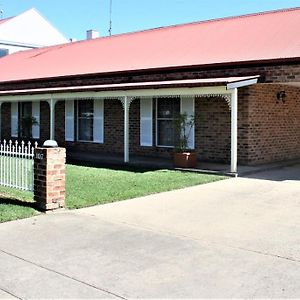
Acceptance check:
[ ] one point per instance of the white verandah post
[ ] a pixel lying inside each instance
(126, 106)
(52, 103)
(0, 120)
(234, 130)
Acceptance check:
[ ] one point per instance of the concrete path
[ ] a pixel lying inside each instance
(234, 238)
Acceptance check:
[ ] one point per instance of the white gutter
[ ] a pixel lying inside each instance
(242, 83)
(18, 44)
(213, 90)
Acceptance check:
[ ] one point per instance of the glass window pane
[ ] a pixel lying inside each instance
(165, 130)
(167, 110)
(168, 107)
(85, 129)
(25, 119)
(85, 109)
(85, 120)
(26, 109)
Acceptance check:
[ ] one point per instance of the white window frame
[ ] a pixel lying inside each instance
(21, 116)
(166, 119)
(77, 122)
(70, 136)
(148, 118)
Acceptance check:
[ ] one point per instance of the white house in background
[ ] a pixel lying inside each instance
(27, 31)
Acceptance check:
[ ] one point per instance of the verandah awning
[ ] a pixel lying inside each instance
(228, 82)
(216, 86)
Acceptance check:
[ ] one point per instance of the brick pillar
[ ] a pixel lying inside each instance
(49, 177)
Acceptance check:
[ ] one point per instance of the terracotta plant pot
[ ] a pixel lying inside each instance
(185, 160)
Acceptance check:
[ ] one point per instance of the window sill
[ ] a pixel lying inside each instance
(161, 146)
(87, 142)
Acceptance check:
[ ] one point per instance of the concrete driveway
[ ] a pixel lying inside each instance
(234, 238)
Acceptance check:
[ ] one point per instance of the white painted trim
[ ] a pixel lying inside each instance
(52, 103)
(234, 130)
(98, 121)
(36, 114)
(69, 119)
(18, 44)
(148, 119)
(126, 106)
(238, 84)
(215, 90)
(14, 119)
(0, 121)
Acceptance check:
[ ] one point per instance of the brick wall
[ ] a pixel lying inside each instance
(267, 131)
(273, 128)
(270, 72)
(49, 177)
(113, 130)
(212, 129)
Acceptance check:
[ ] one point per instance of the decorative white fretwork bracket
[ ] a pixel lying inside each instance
(128, 99)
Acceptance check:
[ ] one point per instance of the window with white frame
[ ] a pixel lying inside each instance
(168, 110)
(25, 119)
(85, 120)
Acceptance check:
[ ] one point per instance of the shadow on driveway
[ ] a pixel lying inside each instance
(285, 173)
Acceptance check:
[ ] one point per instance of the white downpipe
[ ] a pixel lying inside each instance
(52, 103)
(234, 130)
(126, 130)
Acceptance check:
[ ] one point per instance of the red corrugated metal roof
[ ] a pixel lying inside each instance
(265, 36)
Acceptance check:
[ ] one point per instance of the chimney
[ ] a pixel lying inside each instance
(92, 34)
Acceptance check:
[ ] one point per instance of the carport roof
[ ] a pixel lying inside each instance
(251, 38)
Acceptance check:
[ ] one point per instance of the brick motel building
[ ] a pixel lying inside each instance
(239, 77)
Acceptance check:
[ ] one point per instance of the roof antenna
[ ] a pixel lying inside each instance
(110, 18)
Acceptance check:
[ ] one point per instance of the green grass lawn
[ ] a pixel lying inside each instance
(87, 186)
(15, 204)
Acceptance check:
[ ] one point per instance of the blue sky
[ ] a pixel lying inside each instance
(74, 17)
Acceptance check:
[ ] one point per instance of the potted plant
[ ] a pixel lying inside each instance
(184, 157)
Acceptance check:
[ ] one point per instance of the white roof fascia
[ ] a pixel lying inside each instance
(215, 90)
(17, 44)
(238, 84)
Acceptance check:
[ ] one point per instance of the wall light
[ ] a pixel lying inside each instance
(281, 96)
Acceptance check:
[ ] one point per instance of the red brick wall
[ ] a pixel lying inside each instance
(273, 127)
(243, 125)
(113, 126)
(113, 130)
(49, 177)
(272, 72)
(212, 129)
(267, 131)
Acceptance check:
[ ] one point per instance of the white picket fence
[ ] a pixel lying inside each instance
(16, 164)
